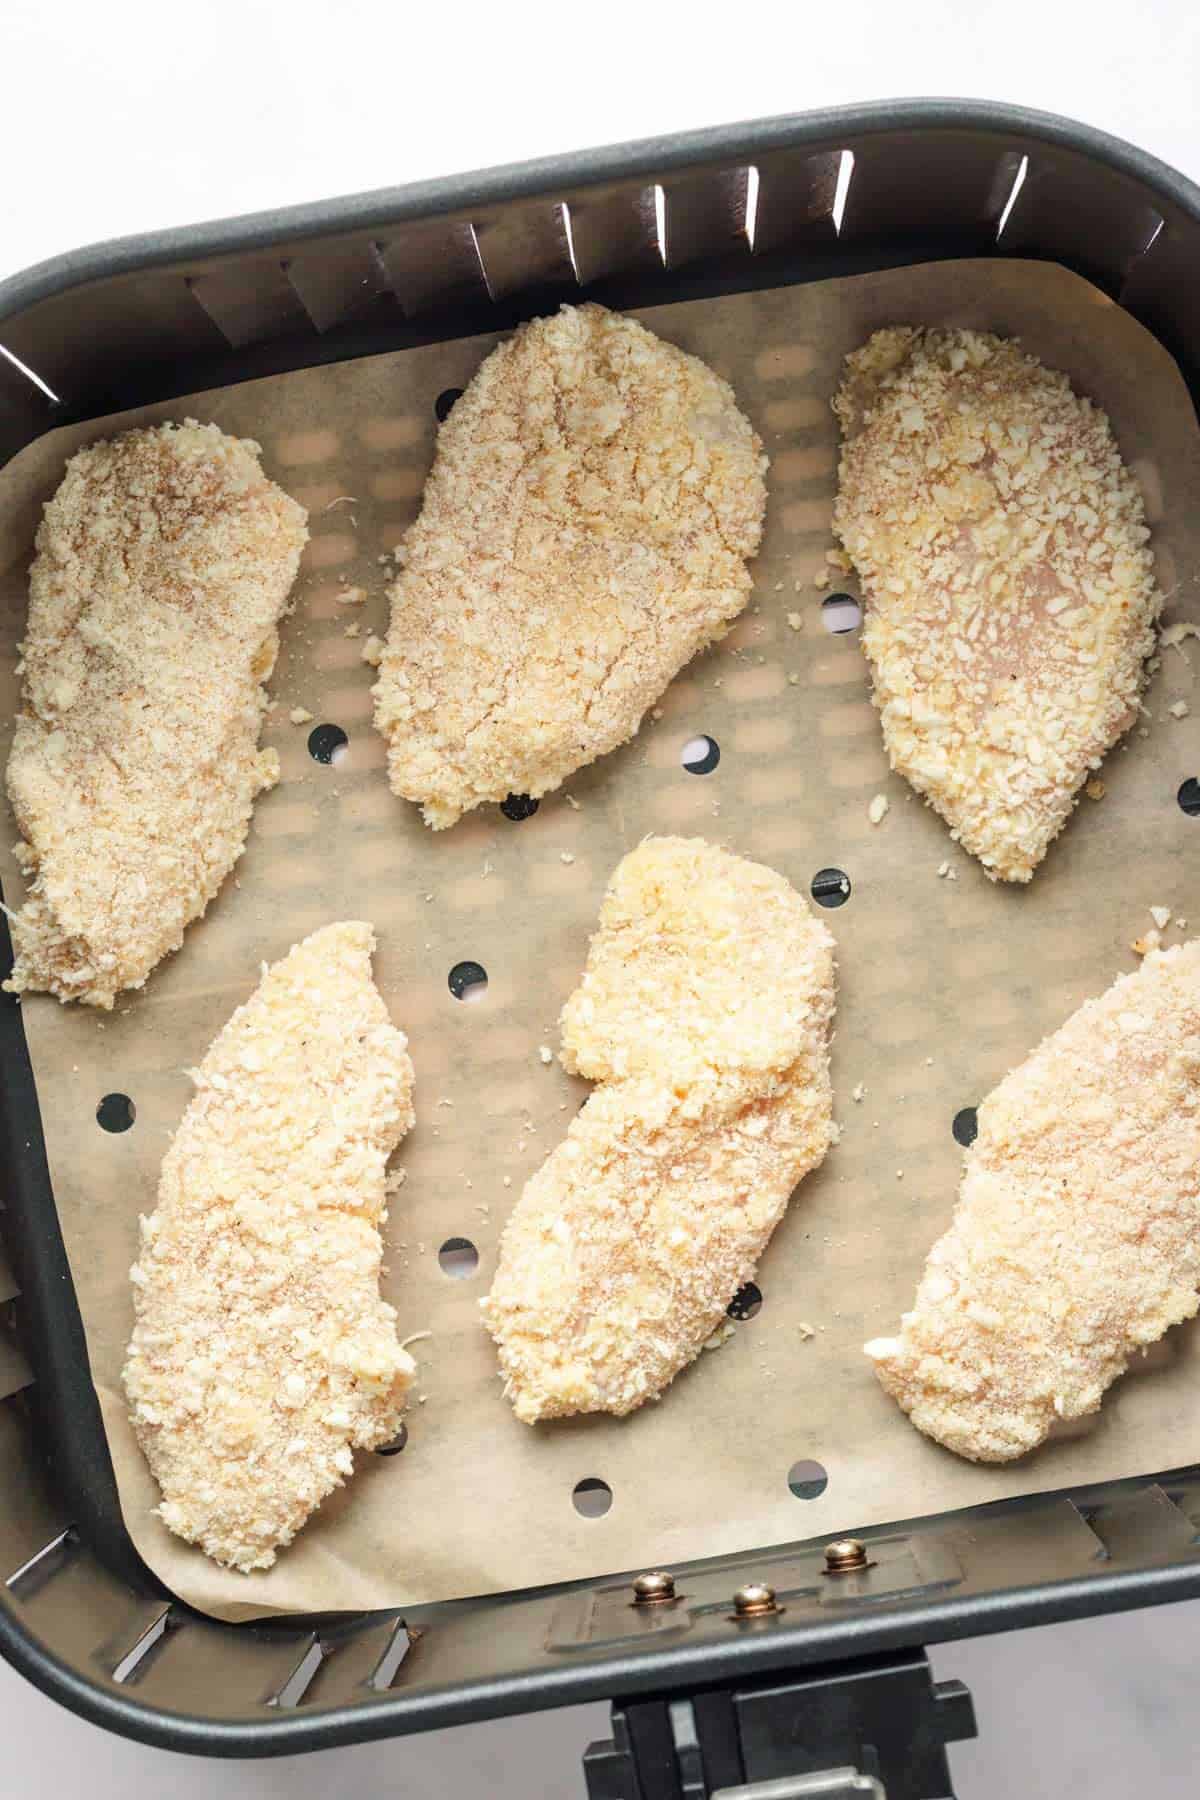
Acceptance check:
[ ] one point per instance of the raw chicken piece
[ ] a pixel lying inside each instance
(704, 1013)
(1010, 597)
(262, 1353)
(163, 565)
(584, 532)
(1076, 1241)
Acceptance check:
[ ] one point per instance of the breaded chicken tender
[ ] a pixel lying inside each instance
(704, 1013)
(584, 532)
(262, 1353)
(1076, 1241)
(163, 565)
(1010, 595)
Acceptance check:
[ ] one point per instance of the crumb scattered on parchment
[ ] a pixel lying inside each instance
(372, 651)
(946, 872)
(1150, 940)
(1179, 710)
(806, 1331)
(507, 1181)
(1095, 789)
(795, 620)
(300, 715)
(352, 596)
(1161, 916)
(879, 809)
(572, 802)
(352, 629)
(545, 1053)
(793, 679)
(720, 1336)
(342, 500)
(859, 1092)
(565, 856)
(1172, 636)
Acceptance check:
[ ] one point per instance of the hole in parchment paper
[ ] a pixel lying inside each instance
(444, 402)
(116, 1112)
(591, 1497)
(965, 1126)
(700, 755)
(807, 1479)
(1189, 797)
(397, 1444)
(519, 806)
(746, 1302)
(468, 981)
(840, 613)
(458, 1258)
(326, 743)
(830, 887)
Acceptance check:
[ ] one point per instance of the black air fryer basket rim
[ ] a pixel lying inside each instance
(54, 1326)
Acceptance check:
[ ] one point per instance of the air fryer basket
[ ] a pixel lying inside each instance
(782, 201)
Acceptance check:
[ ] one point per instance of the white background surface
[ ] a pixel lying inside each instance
(124, 116)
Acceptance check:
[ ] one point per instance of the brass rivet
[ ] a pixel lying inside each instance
(845, 1556)
(754, 1600)
(653, 1588)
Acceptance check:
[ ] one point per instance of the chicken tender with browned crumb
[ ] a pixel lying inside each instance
(584, 532)
(163, 566)
(1076, 1242)
(704, 1012)
(263, 1355)
(1009, 587)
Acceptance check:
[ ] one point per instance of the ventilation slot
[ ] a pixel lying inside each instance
(524, 248)
(613, 233)
(133, 1660)
(249, 302)
(841, 192)
(338, 284)
(43, 1565)
(388, 1667)
(301, 1678)
(1011, 201)
(434, 263)
(29, 374)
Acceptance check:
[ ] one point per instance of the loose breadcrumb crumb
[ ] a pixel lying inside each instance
(879, 809)
(545, 1053)
(300, 715)
(704, 1016)
(372, 651)
(584, 532)
(263, 1355)
(163, 567)
(1009, 587)
(352, 596)
(1075, 1243)
(1161, 916)
(1095, 789)
(1179, 710)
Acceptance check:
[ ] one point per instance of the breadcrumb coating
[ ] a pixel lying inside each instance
(1076, 1241)
(704, 1013)
(163, 565)
(1010, 596)
(262, 1353)
(584, 532)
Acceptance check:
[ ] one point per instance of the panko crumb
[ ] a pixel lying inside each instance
(1008, 580)
(163, 567)
(796, 621)
(721, 1335)
(805, 1331)
(1179, 709)
(1161, 916)
(879, 809)
(262, 1355)
(1149, 940)
(1095, 789)
(1172, 636)
(704, 1016)
(859, 1092)
(545, 1053)
(1075, 1243)
(300, 715)
(352, 596)
(372, 651)
(584, 532)
(351, 630)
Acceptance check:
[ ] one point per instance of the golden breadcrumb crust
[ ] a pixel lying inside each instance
(1010, 597)
(584, 532)
(704, 1013)
(1076, 1241)
(262, 1353)
(163, 565)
